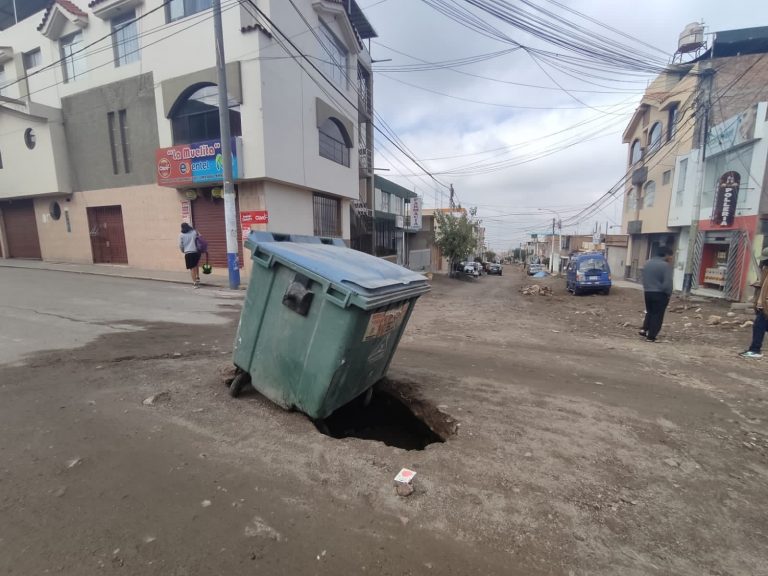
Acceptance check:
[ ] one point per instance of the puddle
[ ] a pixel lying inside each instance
(395, 416)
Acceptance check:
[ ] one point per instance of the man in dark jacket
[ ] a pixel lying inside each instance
(657, 285)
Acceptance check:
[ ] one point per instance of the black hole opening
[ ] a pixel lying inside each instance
(386, 419)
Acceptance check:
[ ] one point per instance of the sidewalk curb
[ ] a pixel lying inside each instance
(50, 268)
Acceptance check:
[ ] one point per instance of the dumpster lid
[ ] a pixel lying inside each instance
(332, 260)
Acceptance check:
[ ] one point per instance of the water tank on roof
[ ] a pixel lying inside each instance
(691, 38)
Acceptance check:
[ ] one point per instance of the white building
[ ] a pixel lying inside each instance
(109, 128)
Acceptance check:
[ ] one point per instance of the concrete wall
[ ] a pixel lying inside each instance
(29, 172)
(151, 217)
(87, 134)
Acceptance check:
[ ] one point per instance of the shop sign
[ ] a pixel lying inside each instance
(726, 197)
(251, 217)
(732, 132)
(196, 163)
(186, 211)
(416, 213)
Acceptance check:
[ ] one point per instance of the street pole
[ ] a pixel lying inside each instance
(552, 250)
(230, 212)
(693, 230)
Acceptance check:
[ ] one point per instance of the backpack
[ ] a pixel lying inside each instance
(201, 244)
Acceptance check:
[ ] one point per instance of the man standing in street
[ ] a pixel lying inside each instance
(761, 311)
(657, 286)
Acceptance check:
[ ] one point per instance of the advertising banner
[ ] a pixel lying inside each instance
(726, 197)
(198, 163)
(249, 217)
(416, 213)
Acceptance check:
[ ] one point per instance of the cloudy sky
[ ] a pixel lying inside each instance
(516, 152)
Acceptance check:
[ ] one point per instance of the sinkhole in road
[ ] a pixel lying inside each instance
(394, 416)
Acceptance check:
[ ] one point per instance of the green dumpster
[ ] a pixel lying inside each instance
(320, 322)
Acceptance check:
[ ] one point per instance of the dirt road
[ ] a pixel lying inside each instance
(580, 450)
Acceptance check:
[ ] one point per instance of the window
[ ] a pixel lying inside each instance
(682, 172)
(666, 177)
(335, 57)
(654, 138)
(112, 140)
(125, 39)
(32, 59)
(650, 194)
(122, 121)
(196, 117)
(30, 138)
(672, 122)
(118, 141)
(73, 60)
(333, 142)
(177, 9)
(631, 204)
(326, 213)
(637, 152)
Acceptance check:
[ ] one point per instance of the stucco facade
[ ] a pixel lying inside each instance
(100, 122)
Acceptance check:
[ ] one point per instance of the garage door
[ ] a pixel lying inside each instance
(208, 220)
(21, 229)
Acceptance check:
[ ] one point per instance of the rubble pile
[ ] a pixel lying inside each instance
(535, 289)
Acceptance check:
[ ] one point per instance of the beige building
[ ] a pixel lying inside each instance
(109, 130)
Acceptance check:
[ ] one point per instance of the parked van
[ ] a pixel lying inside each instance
(588, 272)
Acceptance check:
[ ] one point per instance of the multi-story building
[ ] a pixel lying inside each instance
(701, 185)
(109, 125)
(392, 221)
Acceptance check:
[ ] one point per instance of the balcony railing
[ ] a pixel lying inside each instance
(364, 90)
(366, 160)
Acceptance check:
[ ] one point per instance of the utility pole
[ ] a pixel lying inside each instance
(552, 250)
(230, 212)
(707, 77)
(452, 204)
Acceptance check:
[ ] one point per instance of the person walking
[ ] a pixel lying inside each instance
(761, 312)
(188, 245)
(657, 288)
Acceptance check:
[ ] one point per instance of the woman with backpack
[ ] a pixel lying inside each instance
(190, 244)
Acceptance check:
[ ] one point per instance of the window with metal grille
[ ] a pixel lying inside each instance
(333, 145)
(326, 213)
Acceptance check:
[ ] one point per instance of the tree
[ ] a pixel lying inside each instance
(490, 256)
(455, 236)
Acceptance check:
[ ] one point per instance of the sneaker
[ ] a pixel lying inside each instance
(643, 333)
(197, 284)
(650, 340)
(750, 354)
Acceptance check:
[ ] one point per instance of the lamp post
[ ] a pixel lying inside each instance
(559, 225)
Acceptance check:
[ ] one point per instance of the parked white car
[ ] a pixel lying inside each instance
(472, 269)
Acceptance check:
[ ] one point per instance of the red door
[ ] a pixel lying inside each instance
(105, 224)
(208, 220)
(21, 230)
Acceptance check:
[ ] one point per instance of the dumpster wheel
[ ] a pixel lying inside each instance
(236, 387)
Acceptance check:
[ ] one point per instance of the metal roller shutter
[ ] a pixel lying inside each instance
(21, 230)
(208, 220)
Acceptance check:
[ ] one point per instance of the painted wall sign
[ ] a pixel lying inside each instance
(196, 163)
(726, 197)
(732, 132)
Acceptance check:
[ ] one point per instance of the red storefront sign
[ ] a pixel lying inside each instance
(249, 217)
(726, 197)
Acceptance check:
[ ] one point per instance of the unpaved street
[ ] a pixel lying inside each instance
(578, 448)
